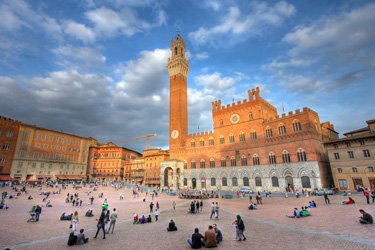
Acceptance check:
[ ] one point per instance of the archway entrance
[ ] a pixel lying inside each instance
(168, 177)
(194, 183)
(289, 184)
(203, 183)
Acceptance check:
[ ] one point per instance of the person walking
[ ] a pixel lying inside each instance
(326, 199)
(373, 196)
(107, 220)
(212, 209)
(366, 193)
(113, 218)
(240, 228)
(75, 221)
(100, 225)
(174, 205)
(157, 213)
(151, 207)
(38, 211)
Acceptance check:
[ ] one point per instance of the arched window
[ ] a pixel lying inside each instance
(250, 116)
(268, 132)
(223, 162)
(202, 163)
(305, 182)
(246, 182)
(224, 182)
(272, 158)
(275, 181)
(231, 138)
(221, 122)
(234, 182)
(222, 140)
(192, 163)
(282, 129)
(243, 160)
(185, 182)
(242, 136)
(213, 181)
(256, 160)
(286, 157)
(212, 163)
(211, 141)
(253, 134)
(192, 143)
(201, 142)
(258, 181)
(301, 154)
(233, 161)
(297, 126)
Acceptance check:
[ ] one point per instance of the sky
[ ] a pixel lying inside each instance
(98, 68)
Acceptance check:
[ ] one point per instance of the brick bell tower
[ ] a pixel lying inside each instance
(178, 68)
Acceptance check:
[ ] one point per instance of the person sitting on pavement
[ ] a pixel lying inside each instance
(210, 238)
(196, 241)
(142, 220)
(72, 240)
(219, 235)
(252, 206)
(304, 212)
(81, 239)
(89, 213)
(149, 219)
(171, 226)
(296, 214)
(30, 198)
(135, 219)
(48, 204)
(348, 202)
(366, 218)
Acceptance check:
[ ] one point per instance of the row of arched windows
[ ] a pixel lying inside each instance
(225, 161)
(305, 180)
(252, 136)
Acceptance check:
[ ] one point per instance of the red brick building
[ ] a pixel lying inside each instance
(250, 145)
(107, 161)
(9, 129)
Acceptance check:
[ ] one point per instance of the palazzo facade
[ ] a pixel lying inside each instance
(251, 145)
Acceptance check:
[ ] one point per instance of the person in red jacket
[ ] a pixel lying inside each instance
(366, 193)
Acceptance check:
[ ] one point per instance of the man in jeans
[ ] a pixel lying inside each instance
(113, 220)
(38, 211)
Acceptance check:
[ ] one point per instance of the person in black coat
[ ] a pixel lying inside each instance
(172, 226)
(197, 239)
(72, 240)
(100, 225)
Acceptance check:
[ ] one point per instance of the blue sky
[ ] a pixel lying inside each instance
(98, 67)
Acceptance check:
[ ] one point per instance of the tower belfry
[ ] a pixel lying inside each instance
(178, 68)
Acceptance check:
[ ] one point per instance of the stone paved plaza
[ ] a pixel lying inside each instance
(331, 226)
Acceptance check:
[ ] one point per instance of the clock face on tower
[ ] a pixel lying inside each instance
(234, 118)
(174, 134)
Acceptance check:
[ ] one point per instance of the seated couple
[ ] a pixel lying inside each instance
(312, 204)
(298, 214)
(79, 239)
(198, 241)
(66, 216)
(348, 202)
(89, 213)
(252, 206)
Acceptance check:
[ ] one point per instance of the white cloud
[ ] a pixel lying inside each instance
(217, 85)
(80, 58)
(145, 75)
(79, 31)
(109, 23)
(237, 25)
(202, 55)
(334, 51)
